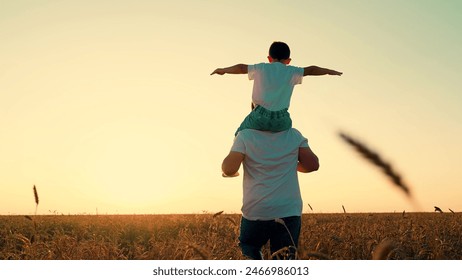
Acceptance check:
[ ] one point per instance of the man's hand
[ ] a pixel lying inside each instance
(231, 164)
(230, 176)
(307, 160)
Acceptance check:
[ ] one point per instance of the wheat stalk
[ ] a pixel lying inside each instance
(310, 207)
(231, 221)
(36, 199)
(217, 214)
(377, 160)
(204, 255)
(281, 221)
(294, 246)
(318, 255)
(383, 250)
(285, 253)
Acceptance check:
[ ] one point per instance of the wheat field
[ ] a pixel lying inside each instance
(397, 236)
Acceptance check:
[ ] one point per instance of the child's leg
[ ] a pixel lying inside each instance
(252, 121)
(280, 121)
(266, 120)
(273, 121)
(249, 122)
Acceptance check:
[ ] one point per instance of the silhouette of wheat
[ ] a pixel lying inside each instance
(36, 199)
(377, 160)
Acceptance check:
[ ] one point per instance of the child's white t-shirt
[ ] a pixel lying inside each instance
(270, 184)
(274, 84)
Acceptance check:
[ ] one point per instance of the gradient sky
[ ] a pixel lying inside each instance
(108, 106)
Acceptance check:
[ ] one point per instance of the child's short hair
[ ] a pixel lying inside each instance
(279, 50)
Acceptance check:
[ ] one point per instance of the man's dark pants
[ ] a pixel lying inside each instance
(255, 234)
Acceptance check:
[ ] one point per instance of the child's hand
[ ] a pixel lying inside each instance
(219, 71)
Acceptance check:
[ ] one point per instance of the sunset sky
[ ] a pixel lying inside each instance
(109, 106)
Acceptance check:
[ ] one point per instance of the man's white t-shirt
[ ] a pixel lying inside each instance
(274, 84)
(271, 188)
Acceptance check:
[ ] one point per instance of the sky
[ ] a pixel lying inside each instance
(108, 107)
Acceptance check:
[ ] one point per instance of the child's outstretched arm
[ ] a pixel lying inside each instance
(318, 71)
(236, 69)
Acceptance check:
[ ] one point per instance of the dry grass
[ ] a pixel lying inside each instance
(383, 236)
(173, 237)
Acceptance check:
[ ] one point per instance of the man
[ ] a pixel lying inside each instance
(272, 203)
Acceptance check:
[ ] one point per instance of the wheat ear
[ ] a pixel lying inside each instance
(36, 199)
(217, 214)
(383, 249)
(377, 160)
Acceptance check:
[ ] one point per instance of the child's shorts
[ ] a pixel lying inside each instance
(264, 119)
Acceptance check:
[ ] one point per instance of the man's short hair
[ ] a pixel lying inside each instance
(279, 50)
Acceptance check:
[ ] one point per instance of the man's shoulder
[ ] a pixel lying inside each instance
(253, 132)
(297, 132)
(290, 138)
(294, 130)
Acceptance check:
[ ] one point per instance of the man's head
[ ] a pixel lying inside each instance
(279, 52)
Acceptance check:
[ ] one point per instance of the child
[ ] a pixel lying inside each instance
(272, 88)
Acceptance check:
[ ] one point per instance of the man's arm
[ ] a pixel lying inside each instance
(307, 160)
(318, 71)
(236, 69)
(231, 164)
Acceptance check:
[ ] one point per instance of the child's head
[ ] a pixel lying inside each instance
(279, 51)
